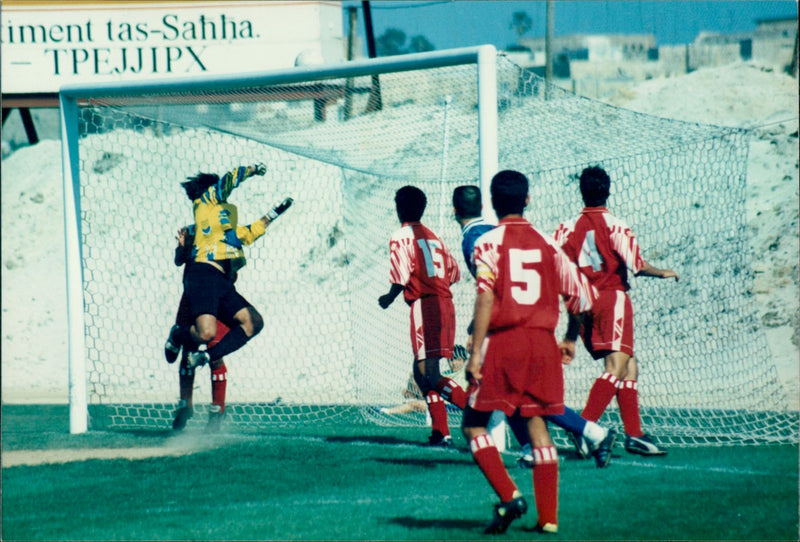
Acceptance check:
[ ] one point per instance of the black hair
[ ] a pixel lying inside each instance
(509, 191)
(410, 202)
(595, 186)
(467, 201)
(195, 186)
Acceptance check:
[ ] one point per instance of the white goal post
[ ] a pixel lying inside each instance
(341, 140)
(71, 96)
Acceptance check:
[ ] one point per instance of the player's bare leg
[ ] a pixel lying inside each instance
(250, 324)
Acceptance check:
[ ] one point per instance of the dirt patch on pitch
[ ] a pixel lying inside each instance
(15, 458)
(42, 457)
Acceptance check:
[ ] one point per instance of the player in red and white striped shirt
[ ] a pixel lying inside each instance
(515, 363)
(604, 248)
(422, 269)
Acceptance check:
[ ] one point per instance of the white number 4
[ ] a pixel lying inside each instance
(531, 291)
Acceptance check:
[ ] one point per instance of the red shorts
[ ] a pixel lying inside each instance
(433, 327)
(609, 326)
(183, 319)
(521, 370)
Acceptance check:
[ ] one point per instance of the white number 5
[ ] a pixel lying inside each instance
(530, 293)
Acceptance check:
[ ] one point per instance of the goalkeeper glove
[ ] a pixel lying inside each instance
(278, 210)
(260, 169)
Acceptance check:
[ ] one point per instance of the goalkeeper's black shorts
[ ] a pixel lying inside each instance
(209, 291)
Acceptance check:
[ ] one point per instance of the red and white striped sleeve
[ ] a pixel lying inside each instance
(453, 272)
(624, 243)
(401, 257)
(485, 255)
(579, 294)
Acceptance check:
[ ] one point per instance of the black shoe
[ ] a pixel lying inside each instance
(602, 454)
(172, 347)
(582, 446)
(505, 513)
(197, 358)
(182, 415)
(215, 418)
(525, 461)
(643, 446)
(437, 440)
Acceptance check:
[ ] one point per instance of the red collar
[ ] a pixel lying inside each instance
(514, 220)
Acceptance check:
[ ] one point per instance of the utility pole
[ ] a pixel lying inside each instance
(375, 102)
(352, 14)
(548, 48)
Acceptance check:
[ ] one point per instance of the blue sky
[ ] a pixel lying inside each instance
(461, 23)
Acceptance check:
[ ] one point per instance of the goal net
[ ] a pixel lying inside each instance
(341, 140)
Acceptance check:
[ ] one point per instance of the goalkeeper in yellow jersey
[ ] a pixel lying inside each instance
(219, 371)
(216, 257)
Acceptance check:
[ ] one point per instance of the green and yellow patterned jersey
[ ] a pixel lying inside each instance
(216, 238)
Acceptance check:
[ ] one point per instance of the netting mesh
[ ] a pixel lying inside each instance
(327, 349)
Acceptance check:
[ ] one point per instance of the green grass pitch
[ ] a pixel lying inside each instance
(360, 482)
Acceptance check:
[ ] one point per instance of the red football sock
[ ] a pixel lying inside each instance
(438, 411)
(451, 391)
(628, 400)
(219, 382)
(603, 390)
(186, 382)
(485, 454)
(545, 484)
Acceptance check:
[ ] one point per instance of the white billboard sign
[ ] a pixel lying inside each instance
(49, 44)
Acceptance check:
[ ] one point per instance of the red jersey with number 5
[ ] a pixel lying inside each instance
(421, 263)
(603, 246)
(527, 272)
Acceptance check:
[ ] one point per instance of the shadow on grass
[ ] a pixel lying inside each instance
(449, 461)
(372, 439)
(432, 523)
(147, 433)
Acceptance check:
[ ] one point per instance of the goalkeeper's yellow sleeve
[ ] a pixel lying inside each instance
(248, 234)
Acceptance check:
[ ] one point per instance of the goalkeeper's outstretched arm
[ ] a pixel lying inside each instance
(277, 211)
(248, 234)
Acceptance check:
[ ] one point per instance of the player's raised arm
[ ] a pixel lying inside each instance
(257, 169)
(277, 211)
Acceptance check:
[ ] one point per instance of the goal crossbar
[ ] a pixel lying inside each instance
(120, 93)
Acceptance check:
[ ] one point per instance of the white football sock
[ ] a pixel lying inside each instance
(595, 433)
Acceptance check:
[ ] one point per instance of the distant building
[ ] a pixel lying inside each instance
(597, 65)
(785, 27)
(593, 47)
